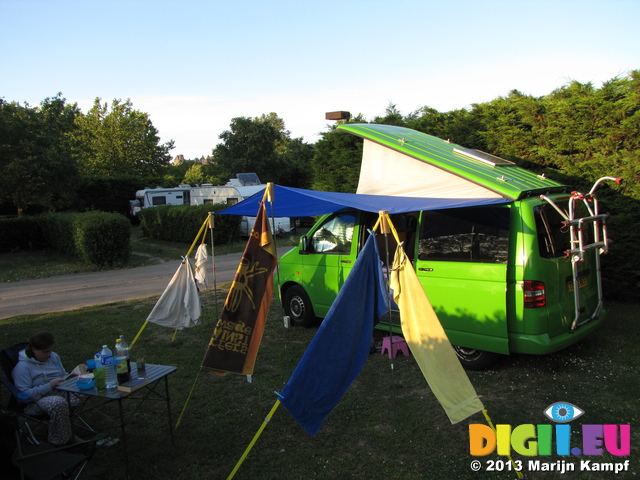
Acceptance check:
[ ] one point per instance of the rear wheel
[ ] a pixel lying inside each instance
(473, 359)
(297, 306)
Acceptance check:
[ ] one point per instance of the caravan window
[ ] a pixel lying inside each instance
(159, 201)
(335, 235)
(479, 235)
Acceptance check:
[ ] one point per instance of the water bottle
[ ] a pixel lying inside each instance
(108, 361)
(122, 352)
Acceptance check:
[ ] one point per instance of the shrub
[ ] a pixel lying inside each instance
(102, 238)
(21, 233)
(99, 238)
(181, 223)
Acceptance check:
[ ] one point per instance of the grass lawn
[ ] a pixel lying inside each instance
(25, 265)
(388, 425)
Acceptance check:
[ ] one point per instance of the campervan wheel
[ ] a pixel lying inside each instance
(473, 359)
(297, 306)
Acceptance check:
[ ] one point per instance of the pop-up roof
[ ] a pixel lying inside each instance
(399, 161)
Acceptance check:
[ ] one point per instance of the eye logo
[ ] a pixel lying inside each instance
(563, 412)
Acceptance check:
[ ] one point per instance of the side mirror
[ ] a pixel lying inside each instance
(304, 244)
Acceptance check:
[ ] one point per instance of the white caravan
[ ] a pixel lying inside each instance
(153, 197)
(236, 190)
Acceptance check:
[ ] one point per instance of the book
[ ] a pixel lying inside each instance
(133, 385)
(79, 370)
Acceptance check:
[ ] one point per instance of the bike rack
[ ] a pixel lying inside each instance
(579, 245)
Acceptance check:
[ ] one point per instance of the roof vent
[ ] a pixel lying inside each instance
(482, 157)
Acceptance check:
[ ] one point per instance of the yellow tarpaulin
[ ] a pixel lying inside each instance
(430, 345)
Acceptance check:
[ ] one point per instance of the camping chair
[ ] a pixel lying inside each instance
(43, 461)
(8, 360)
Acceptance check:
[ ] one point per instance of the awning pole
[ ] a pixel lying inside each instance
(213, 268)
(267, 419)
(385, 229)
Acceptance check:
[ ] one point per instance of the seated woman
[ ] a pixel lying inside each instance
(38, 372)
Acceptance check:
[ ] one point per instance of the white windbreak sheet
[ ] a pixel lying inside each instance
(387, 172)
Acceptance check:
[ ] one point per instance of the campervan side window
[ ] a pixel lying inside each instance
(335, 235)
(159, 201)
(553, 234)
(479, 235)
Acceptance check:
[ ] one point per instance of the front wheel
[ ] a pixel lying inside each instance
(473, 359)
(297, 306)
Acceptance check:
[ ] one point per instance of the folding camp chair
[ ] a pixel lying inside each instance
(8, 361)
(43, 461)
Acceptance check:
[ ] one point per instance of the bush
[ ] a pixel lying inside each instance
(102, 238)
(21, 233)
(181, 223)
(99, 238)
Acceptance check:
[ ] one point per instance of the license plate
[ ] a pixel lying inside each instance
(582, 282)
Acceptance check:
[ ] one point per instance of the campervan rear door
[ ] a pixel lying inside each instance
(555, 270)
(461, 262)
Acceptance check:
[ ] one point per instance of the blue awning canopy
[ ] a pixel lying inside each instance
(298, 202)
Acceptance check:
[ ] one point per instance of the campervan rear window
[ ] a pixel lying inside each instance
(553, 234)
(479, 235)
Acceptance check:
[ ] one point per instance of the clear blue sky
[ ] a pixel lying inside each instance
(193, 65)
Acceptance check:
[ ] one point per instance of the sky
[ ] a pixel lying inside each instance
(194, 65)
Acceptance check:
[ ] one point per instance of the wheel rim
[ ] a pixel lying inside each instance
(469, 354)
(296, 305)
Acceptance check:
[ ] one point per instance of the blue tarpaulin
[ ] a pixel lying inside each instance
(341, 346)
(298, 202)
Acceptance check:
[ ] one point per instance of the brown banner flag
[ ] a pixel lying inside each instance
(236, 338)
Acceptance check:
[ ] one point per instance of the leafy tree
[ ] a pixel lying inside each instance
(36, 169)
(263, 145)
(296, 164)
(119, 141)
(336, 164)
(199, 173)
(392, 117)
(249, 146)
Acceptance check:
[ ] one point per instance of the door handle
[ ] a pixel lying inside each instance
(425, 269)
(345, 261)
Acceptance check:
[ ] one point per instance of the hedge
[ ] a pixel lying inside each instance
(98, 238)
(181, 223)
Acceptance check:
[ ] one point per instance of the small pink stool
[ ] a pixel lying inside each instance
(394, 344)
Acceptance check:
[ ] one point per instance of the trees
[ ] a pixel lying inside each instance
(263, 145)
(118, 141)
(336, 164)
(249, 146)
(36, 168)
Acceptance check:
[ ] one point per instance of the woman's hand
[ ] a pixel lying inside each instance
(55, 383)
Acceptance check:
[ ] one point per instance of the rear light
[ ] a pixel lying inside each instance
(535, 295)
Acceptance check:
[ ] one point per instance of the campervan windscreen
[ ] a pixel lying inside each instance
(336, 235)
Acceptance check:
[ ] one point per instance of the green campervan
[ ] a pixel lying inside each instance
(515, 270)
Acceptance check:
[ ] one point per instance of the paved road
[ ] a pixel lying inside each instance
(69, 292)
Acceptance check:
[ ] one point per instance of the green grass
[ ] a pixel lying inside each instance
(26, 265)
(388, 425)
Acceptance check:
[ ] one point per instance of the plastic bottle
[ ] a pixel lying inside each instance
(122, 352)
(107, 359)
(126, 352)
